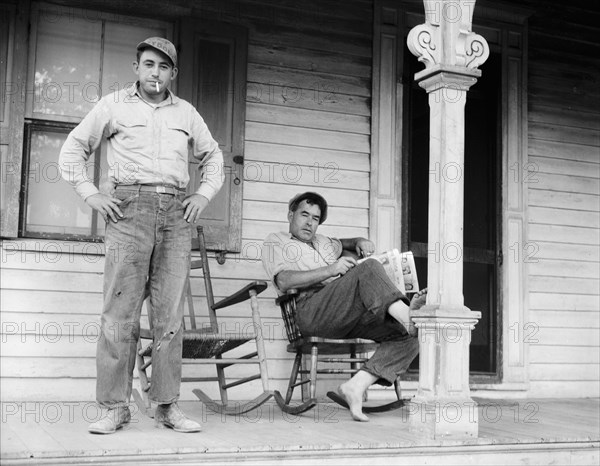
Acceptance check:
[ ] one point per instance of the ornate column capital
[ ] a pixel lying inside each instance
(459, 46)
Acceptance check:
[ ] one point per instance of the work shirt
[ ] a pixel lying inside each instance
(282, 251)
(147, 144)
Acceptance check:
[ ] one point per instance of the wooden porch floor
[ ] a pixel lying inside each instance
(529, 431)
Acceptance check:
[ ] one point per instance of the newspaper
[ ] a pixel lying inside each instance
(400, 267)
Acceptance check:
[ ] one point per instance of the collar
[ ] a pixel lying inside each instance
(133, 90)
(311, 244)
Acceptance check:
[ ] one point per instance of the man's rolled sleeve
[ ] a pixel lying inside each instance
(273, 258)
(207, 151)
(79, 146)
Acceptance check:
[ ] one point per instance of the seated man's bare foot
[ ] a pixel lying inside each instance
(417, 302)
(354, 400)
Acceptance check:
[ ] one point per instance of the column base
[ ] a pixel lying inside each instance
(449, 419)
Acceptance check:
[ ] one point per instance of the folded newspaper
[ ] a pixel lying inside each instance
(400, 267)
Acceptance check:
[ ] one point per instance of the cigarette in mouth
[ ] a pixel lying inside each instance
(157, 89)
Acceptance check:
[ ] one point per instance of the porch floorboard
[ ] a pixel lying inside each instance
(533, 430)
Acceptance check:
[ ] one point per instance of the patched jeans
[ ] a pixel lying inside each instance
(150, 246)
(355, 306)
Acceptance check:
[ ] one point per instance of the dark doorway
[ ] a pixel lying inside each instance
(482, 220)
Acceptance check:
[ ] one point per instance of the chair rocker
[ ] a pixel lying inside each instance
(328, 351)
(205, 345)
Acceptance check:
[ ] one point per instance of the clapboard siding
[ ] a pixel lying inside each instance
(564, 201)
(573, 217)
(274, 212)
(314, 98)
(307, 127)
(556, 166)
(561, 149)
(335, 196)
(322, 160)
(307, 137)
(316, 60)
(262, 113)
(326, 175)
(563, 285)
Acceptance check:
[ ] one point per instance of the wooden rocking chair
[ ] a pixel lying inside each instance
(206, 345)
(325, 350)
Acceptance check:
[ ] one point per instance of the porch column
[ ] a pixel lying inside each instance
(443, 407)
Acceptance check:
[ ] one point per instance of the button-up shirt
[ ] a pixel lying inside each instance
(282, 251)
(146, 144)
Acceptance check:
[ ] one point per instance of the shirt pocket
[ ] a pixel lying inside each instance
(133, 133)
(177, 137)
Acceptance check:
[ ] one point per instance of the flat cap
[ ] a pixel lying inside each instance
(162, 45)
(314, 198)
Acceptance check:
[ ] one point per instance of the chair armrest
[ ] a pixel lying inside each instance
(241, 295)
(288, 296)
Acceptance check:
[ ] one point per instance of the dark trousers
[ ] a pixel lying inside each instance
(355, 306)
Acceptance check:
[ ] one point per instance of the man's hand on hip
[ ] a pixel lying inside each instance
(106, 205)
(194, 205)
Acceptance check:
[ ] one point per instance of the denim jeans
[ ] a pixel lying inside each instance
(355, 306)
(149, 247)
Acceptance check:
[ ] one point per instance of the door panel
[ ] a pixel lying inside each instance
(213, 77)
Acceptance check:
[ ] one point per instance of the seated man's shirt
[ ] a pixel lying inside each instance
(281, 251)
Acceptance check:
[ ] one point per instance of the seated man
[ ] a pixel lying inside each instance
(340, 298)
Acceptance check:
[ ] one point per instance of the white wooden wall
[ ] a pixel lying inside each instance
(564, 206)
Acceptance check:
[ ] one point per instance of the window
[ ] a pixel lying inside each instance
(75, 57)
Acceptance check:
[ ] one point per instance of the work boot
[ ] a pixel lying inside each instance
(170, 415)
(114, 419)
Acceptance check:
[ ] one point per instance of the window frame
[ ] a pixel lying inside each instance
(57, 127)
(33, 121)
(11, 129)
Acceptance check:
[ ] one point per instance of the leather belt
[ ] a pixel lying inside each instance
(154, 188)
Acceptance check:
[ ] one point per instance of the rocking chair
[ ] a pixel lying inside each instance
(208, 346)
(325, 350)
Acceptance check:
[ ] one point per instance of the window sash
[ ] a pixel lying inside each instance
(41, 178)
(81, 92)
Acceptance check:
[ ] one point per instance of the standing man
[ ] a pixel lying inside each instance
(340, 298)
(149, 131)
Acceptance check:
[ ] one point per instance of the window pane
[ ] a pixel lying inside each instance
(67, 65)
(120, 41)
(52, 204)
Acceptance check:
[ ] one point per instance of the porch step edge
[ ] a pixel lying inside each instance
(535, 453)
